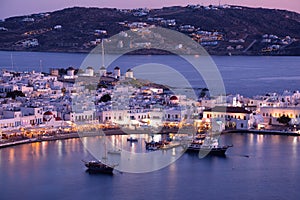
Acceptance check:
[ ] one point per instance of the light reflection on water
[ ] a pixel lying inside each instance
(273, 162)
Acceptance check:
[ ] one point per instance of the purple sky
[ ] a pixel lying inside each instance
(10, 8)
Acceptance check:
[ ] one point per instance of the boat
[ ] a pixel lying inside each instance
(170, 145)
(200, 136)
(208, 146)
(114, 151)
(98, 167)
(152, 146)
(131, 139)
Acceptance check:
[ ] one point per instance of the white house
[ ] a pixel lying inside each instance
(233, 117)
(271, 114)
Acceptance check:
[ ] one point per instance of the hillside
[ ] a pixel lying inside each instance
(221, 30)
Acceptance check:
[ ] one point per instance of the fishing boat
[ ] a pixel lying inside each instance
(152, 146)
(98, 167)
(209, 146)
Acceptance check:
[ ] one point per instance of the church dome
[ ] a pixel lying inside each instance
(173, 98)
(48, 113)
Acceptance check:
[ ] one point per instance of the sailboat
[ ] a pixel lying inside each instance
(97, 166)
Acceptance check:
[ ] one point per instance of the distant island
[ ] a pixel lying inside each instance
(221, 30)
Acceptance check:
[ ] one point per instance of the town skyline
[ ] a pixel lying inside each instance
(16, 8)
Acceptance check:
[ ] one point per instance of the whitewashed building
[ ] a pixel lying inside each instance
(233, 117)
(271, 114)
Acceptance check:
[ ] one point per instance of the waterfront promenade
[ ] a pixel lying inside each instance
(265, 132)
(70, 135)
(117, 131)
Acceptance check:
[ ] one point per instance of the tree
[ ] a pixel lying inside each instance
(15, 94)
(284, 119)
(105, 98)
(204, 93)
(63, 90)
(101, 84)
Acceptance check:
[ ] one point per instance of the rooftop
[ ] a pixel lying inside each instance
(228, 109)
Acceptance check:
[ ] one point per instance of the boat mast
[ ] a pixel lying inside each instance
(105, 150)
(102, 47)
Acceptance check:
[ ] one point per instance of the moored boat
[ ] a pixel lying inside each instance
(131, 139)
(152, 146)
(98, 167)
(208, 147)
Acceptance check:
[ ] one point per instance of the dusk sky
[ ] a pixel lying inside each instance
(21, 7)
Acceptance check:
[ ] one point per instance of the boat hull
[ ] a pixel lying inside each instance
(132, 139)
(215, 151)
(97, 167)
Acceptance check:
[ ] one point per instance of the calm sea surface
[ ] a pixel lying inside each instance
(241, 74)
(257, 167)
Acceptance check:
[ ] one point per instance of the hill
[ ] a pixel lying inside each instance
(220, 29)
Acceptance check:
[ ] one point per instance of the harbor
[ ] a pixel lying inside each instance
(108, 132)
(251, 142)
(274, 156)
(145, 100)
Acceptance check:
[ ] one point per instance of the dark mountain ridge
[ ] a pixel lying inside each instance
(221, 30)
